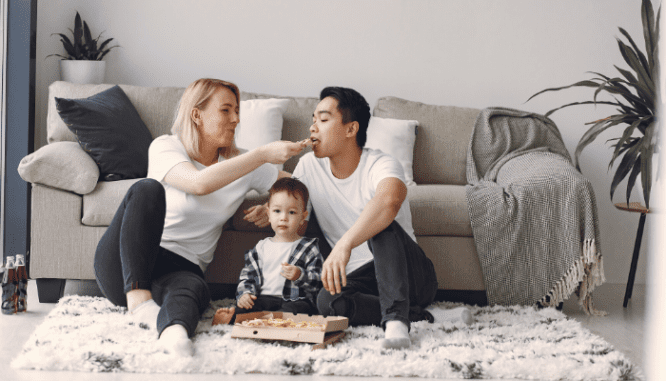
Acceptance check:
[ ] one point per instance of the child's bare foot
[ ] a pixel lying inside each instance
(224, 315)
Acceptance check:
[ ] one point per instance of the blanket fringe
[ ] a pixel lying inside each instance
(585, 274)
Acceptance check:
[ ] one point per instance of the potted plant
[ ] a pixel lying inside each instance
(83, 61)
(635, 96)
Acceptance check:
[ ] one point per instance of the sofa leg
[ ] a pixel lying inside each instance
(50, 290)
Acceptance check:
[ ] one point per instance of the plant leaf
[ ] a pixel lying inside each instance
(643, 94)
(591, 134)
(635, 171)
(630, 57)
(577, 84)
(104, 44)
(78, 36)
(628, 132)
(627, 74)
(647, 149)
(647, 18)
(624, 167)
(615, 86)
(86, 34)
(106, 52)
(71, 51)
(646, 65)
(583, 103)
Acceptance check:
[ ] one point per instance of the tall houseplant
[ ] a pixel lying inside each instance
(82, 62)
(635, 95)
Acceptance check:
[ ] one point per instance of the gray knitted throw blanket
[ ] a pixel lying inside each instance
(533, 215)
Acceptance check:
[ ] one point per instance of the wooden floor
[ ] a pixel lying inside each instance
(623, 328)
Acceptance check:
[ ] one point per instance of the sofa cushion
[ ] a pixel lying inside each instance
(297, 120)
(100, 205)
(260, 122)
(395, 137)
(62, 165)
(439, 210)
(111, 131)
(440, 152)
(156, 106)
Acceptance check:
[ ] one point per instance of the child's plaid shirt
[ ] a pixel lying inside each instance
(306, 256)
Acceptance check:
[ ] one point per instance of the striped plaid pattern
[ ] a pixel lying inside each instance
(306, 255)
(531, 210)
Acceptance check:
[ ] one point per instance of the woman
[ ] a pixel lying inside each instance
(153, 255)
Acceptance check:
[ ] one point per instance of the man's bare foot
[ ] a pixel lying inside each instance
(224, 315)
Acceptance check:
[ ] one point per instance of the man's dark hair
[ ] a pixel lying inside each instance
(353, 107)
(293, 187)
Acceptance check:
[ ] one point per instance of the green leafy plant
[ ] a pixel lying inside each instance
(635, 95)
(82, 46)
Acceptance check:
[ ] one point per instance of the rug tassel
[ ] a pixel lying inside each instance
(584, 275)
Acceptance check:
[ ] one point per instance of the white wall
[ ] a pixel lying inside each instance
(473, 53)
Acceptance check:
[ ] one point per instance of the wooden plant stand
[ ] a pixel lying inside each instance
(637, 208)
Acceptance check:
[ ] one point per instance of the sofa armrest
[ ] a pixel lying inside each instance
(61, 165)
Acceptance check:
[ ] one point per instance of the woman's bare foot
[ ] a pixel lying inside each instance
(224, 315)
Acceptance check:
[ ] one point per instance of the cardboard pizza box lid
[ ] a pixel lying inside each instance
(305, 335)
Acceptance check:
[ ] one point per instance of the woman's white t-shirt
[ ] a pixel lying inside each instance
(338, 203)
(193, 224)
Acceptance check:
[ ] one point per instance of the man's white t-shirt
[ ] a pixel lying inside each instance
(338, 203)
(194, 223)
(271, 256)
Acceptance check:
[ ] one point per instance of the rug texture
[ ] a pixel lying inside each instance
(89, 334)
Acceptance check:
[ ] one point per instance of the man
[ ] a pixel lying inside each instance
(375, 273)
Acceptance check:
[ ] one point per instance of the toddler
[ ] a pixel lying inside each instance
(283, 272)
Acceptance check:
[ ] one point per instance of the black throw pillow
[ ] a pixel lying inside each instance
(110, 130)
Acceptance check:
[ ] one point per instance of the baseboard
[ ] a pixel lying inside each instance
(471, 297)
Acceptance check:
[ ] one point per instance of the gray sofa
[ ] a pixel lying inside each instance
(71, 210)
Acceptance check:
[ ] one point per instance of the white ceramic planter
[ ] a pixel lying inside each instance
(80, 71)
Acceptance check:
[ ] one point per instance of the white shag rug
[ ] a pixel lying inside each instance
(89, 334)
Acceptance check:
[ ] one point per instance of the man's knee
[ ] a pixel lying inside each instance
(393, 235)
(332, 305)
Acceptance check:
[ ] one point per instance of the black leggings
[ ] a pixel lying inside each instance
(129, 257)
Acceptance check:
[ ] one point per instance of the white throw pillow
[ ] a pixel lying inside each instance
(260, 122)
(395, 137)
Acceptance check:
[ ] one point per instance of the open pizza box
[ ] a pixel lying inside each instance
(328, 330)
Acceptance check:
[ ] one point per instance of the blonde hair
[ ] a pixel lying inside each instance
(196, 96)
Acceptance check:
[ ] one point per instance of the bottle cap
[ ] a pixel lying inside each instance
(10, 262)
(20, 260)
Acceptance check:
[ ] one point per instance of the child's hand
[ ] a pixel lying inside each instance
(246, 301)
(290, 272)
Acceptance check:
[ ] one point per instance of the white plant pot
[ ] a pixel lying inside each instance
(81, 71)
